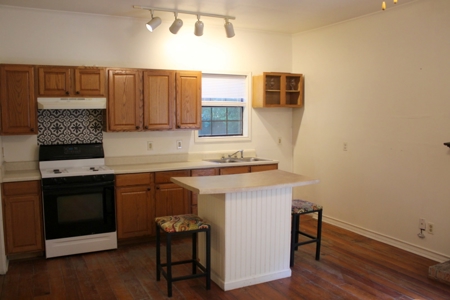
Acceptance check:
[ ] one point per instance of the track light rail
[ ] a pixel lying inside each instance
(226, 17)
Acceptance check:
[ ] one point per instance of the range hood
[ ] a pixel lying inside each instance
(71, 103)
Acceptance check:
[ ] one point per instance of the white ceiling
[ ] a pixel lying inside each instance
(286, 16)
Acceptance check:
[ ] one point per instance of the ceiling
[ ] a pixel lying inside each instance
(285, 16)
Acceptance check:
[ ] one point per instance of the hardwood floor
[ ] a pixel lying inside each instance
(351, 267)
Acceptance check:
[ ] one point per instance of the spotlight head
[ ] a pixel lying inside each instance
(176, 25)
(229, 30)
(153, 23)
(198, 27)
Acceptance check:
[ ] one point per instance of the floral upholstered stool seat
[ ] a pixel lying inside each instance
(179, 225)
(301, 207)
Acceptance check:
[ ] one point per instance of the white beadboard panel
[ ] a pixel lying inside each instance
(250, 236)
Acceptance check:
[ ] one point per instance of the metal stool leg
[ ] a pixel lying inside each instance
(208, 258)
(294, 236)
(319, 234)
(194, 253)
(169, 264)
(158, 254)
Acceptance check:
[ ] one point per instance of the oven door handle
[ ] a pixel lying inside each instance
(72, 186)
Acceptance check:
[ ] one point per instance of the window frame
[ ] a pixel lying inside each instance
(246, 114)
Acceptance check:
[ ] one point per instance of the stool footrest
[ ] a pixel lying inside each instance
(307, 235)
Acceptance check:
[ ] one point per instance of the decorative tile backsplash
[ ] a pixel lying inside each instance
(74, 126)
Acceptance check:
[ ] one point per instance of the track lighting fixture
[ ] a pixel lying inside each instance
(177, 23)
(198, 27)
(153, 23)
(383, 4)
(229, 30)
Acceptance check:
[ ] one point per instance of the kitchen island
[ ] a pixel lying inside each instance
(250, 216)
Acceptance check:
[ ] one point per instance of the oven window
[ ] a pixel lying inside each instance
(80, 208)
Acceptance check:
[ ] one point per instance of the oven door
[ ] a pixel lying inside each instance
(78, 209)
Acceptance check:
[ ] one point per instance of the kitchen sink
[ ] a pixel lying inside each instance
(236, 160)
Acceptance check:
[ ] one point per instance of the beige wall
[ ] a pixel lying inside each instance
(46, 37)
(380, 84)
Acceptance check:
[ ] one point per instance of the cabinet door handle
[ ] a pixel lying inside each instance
(146, 127)
(78, 92)
(157, 187)
(67, 93)
(137, 127)
(32, 129)
(149, 189)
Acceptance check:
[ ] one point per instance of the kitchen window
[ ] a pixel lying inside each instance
(225, 109)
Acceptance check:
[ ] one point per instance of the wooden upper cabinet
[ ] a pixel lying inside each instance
(124, 110)
(278, 90)
(159, 99)
(90, 82)
(17, 99)
(189, 100)
(54, 81)
(71, 82)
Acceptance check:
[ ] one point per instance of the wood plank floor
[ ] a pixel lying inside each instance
(351, 267)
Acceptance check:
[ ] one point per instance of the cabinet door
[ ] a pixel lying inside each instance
(134, 212)
(234, 170)
(17, 99)
(54, 81)
(189, 99)
(22, 214)
(171, 199)
(278, 90)
(159, 99)
(90, 82)
(124, 110)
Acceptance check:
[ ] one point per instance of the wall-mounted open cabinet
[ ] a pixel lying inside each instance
(278, 90)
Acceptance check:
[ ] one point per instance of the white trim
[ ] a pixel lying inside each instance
(80, 244)
(439, 257)
(247, 116)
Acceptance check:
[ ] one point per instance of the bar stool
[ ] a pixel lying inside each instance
(179, 225)
(301, 207)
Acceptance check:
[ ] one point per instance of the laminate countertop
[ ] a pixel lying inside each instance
(34, 174)
(243, 182)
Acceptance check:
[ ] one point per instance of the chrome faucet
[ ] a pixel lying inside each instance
(242, 153)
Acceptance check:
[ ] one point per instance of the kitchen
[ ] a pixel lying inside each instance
(376, 84)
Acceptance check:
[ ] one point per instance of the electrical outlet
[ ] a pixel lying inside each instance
(179, 144)
(430, 228)
(344, 146)
(149, 146)
(422, 224)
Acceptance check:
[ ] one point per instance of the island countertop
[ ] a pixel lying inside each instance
(242, 182)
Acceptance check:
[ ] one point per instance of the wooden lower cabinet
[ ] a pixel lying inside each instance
(22, 215)
(194, 196)
(135, 205)
(170, 198)
(141, 197)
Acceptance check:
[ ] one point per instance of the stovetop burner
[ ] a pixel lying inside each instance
(72, 160)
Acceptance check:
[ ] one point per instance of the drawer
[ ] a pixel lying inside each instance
(134, 179)
(203, 172)
(164, 177)
(22, 188)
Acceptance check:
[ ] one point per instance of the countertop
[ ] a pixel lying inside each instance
(242, 182)
(34, 174)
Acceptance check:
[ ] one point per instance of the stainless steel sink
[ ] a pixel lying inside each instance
(236, 160)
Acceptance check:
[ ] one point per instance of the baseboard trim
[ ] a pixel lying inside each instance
(439, 257)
